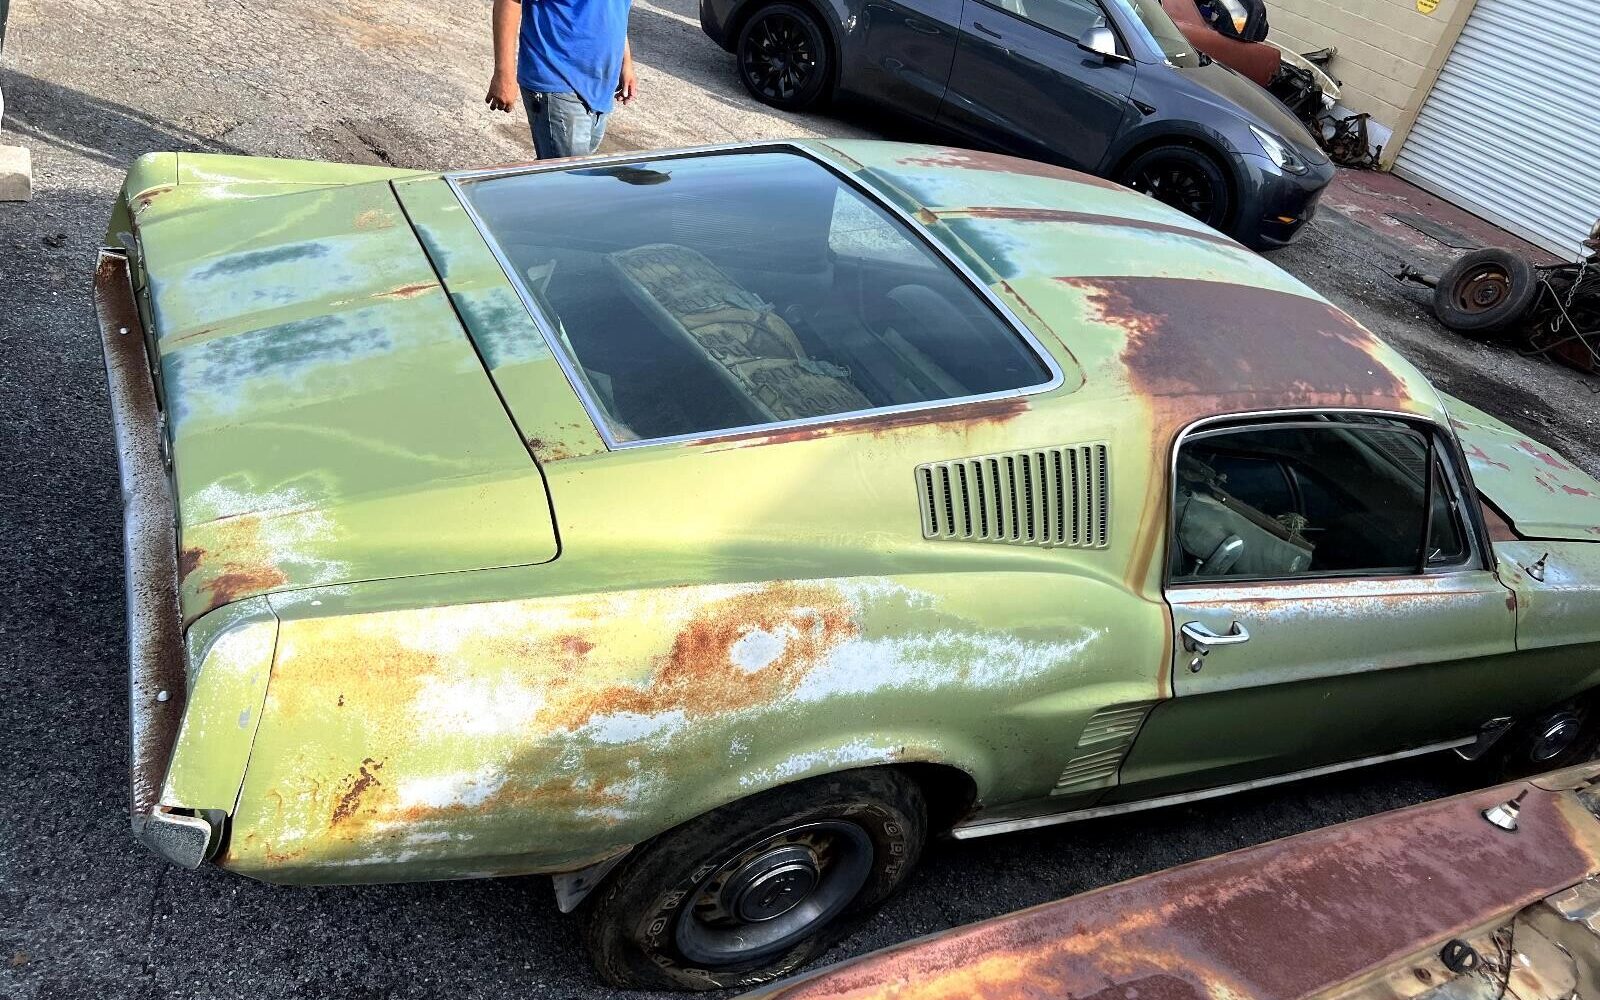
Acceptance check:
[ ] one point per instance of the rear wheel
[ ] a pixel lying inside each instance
(1183, 177)
(783, 57)
(1485, 292)
(754, 890)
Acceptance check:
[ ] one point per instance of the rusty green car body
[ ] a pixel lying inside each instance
(403, 607)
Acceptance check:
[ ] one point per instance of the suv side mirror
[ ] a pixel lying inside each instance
(1102, 41)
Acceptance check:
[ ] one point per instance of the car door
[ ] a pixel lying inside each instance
(906, 50)
(1021, 83)
(1311, 625)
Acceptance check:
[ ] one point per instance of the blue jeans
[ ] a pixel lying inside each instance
(563, 125)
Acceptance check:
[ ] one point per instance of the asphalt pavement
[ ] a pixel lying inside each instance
(85, 912)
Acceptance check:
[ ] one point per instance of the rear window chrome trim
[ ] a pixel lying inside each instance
(1478, 560)
(913, 229)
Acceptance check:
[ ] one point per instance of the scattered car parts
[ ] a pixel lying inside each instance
(1551, 310)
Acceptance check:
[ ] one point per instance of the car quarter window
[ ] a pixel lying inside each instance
(702, 293)
(1065, 17)
(1343, 497)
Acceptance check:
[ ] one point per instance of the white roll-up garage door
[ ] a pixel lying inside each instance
(1511, 130)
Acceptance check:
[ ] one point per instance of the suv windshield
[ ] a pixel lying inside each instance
(1163, 32)
(704, 293)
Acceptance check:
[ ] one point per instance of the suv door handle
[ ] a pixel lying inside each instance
(986, 31)
(1199, 639)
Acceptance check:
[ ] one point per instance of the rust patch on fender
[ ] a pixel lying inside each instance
(1480, 455)
(965, 415)
(374, 218)
(1533, 450)
(1228, 346)
(548, 451)
(350, 799)
(1085, 218)
(971, 159)
(236, 562)
(707, 674)
(408, 291)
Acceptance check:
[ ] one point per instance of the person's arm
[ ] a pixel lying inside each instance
(628, 86)
(503, 88)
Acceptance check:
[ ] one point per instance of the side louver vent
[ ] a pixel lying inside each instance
(1047, 496)
(1105, 742)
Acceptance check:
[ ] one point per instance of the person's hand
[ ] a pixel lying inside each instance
(628, 88)
(502, 94)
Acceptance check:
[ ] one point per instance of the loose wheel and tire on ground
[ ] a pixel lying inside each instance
(1485, 292)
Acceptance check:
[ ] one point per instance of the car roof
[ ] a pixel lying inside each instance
(1146, 302)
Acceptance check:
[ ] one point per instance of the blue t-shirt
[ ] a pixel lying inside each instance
(573, 45)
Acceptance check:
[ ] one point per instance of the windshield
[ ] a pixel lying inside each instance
(1163, 32)
(704, 293)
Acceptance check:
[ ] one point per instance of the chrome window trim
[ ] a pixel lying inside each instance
(914, 229)
(1478, 561)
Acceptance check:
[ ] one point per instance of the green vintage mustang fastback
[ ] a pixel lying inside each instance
(707, 529)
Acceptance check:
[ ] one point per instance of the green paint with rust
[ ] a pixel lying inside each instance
(1540, 492)
(371, 435)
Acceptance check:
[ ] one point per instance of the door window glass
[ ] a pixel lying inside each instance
(1065, 17)
(1305, 499)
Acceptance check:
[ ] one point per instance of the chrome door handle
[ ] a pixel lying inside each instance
(1199, 639)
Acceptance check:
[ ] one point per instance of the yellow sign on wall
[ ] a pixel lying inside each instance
(1427, 6)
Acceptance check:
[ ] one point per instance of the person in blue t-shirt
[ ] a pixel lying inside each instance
(571, 61)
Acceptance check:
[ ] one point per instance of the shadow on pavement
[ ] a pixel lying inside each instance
(100, 130)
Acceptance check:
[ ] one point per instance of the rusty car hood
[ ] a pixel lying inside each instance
(328, 420)
(1541, 493)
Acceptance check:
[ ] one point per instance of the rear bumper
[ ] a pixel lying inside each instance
(157, 687)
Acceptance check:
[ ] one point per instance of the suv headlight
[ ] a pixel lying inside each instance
(1279, 152)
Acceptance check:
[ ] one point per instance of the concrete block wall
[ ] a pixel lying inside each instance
(1385, 47)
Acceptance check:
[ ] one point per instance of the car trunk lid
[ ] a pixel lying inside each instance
(328, 420)
(1540, 492)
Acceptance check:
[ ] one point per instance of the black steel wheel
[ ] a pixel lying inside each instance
(1485, 291)
(754, 890)
(783, 57)
(1185, 178)
(1561, 736)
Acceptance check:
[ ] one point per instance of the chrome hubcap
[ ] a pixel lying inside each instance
(772, 884)
(773, 893)
(1556, 736)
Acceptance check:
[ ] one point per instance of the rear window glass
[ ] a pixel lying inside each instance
(699, 294)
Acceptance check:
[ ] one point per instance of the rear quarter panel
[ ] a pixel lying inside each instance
(724, 618)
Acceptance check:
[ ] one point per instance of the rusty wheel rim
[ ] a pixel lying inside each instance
(772, 893)
(1482, 289)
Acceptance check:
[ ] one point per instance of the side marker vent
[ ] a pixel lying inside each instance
(1102, 747)
(1048, 496)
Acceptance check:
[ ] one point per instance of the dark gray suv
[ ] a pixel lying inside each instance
(1105, 86)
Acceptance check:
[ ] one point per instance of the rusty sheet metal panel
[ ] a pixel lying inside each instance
(548, 414)
(506, 737)
(156, 686)
(1288, 919)
(323, 398)
(1543, 494)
